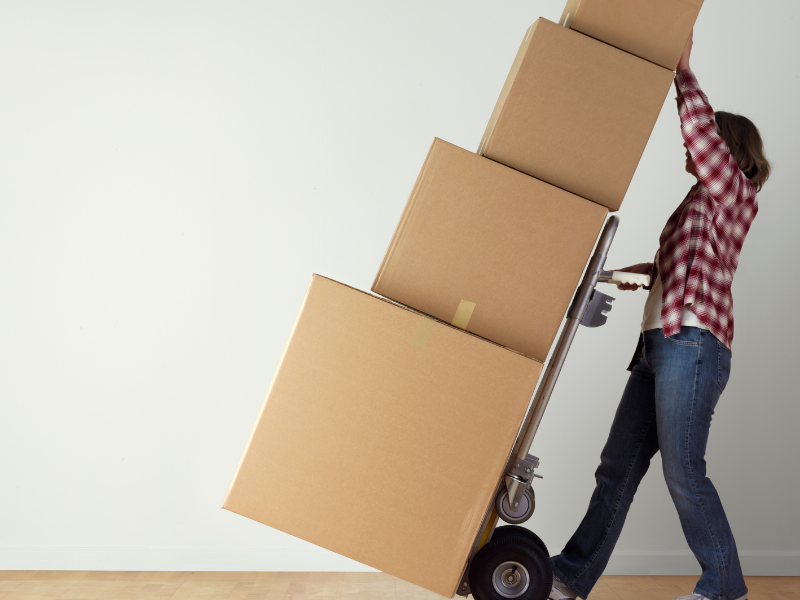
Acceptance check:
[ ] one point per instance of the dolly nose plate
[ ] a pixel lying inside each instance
(597, 310)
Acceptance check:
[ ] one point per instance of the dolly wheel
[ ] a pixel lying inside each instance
(510, 567)
(519, 532)
(515, 514)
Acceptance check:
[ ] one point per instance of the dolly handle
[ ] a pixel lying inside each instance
(577, 309)
(617, 277)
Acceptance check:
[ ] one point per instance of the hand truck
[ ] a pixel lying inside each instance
(511, 561)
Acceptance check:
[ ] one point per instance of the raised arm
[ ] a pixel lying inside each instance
(713, 162)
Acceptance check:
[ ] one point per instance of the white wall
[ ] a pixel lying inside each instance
(172, 173)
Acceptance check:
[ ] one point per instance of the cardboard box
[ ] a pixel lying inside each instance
(653, 30)
(383, 435)
(576, 113)
(512, 247)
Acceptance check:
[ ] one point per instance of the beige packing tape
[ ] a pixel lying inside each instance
(425, 326)
(423, 331)
(463, 314)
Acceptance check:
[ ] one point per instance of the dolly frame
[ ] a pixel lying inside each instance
(589, 307)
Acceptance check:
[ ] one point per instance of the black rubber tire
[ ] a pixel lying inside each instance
(518, 550)
(505, 531)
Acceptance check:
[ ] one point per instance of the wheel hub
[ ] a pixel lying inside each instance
(510, 579)
(523, 508)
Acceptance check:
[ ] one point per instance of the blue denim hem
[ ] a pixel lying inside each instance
(734, 596)
(558, 575)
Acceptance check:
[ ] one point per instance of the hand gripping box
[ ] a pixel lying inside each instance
(655, 30)
(383, 435)
(489, 249)
(576, 113)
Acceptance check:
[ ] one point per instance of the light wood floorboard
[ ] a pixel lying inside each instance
(158, 585)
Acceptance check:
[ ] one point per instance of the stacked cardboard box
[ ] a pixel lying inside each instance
(383, 435)
(654, 31)
(576, 113)
(387, 424)
(489, 249)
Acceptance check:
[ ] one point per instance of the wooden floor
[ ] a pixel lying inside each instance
(102, 585)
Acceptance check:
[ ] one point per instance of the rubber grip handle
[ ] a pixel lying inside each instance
(618, 277)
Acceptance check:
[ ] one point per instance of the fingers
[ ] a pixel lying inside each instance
(683, 63)
(627, 287)
(642, 268)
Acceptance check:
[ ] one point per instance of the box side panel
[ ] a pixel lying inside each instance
(579, 114)
(419, 183)
(511, 245)
(655, 31)
(403, 436)
(314, 279)
(515, 66)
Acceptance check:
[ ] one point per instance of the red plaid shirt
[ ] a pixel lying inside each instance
(702, 240)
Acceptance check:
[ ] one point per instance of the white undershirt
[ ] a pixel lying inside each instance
(652, 309)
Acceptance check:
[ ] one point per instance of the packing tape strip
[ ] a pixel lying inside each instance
(423, 331)
(463, 314)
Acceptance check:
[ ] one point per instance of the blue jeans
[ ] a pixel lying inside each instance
(667, 405)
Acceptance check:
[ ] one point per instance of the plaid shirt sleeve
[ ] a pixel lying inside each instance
(716, 167)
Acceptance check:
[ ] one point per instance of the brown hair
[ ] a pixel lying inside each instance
(746, 145)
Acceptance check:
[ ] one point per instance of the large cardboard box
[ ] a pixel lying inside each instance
(490, 249)
(576, 113)
(655, 30)
(383, 435)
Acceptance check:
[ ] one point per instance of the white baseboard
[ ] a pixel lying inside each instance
(777, 563)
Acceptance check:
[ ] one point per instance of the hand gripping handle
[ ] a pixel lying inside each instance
(618, 277)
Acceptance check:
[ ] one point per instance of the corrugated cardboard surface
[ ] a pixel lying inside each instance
(476, 230)
(655, 31)
(383, 435)
(576, 113)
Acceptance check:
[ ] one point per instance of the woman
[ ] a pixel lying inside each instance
(682, 363)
